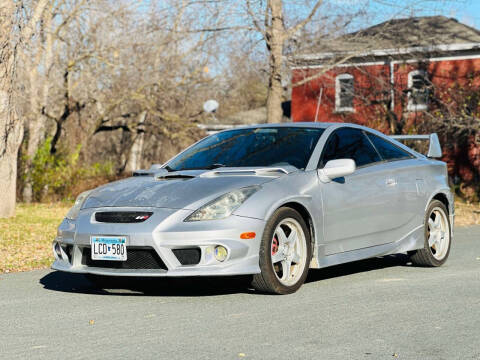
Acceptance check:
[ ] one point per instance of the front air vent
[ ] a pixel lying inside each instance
(122, 217)
(190, 256)
(137, 259)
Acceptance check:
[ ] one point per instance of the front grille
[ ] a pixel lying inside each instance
(189, 256)
(143, 258)
(122, 216)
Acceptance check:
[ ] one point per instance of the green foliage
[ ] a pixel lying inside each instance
(57, 176)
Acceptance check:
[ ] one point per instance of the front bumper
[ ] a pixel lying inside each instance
(163, 233)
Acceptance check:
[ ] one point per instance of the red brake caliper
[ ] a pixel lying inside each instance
(274, 245)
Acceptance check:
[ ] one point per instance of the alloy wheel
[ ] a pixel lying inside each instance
(288, 251)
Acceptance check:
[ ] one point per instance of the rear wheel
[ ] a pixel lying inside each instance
(437, 237)
(285, 253)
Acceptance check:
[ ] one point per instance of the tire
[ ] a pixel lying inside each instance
(287, 275)
(434, 253)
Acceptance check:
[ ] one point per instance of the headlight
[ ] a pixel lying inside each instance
(223, 206)
(73, 212)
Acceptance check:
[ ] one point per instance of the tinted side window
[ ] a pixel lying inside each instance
(348, 143)
(387, 150)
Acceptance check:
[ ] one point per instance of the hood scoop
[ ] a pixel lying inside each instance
(268, 172)
(174, 177)
(153, 171)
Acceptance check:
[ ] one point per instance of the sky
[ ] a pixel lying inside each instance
(365, 13)
(466, 11)
(469, 13)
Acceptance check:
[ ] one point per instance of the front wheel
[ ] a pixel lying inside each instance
(437, 237)
(285, 253)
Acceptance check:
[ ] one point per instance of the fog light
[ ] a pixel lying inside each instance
(220, 253)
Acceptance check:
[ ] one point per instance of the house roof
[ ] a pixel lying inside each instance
(403, 36)
(413, 32)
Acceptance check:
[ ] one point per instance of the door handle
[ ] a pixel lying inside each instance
(391, 182)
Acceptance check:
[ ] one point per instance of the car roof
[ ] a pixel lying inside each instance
(334, 125)
(320, 125)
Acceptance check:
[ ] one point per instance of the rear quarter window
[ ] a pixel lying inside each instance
(387, 150)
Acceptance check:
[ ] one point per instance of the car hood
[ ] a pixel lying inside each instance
(177, 190)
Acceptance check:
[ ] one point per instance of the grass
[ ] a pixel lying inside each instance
(26, 239)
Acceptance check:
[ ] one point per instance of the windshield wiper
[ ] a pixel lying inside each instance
(209, 167)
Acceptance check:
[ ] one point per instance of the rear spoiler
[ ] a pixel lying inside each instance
(434, 148)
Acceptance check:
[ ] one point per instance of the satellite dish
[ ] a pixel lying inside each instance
(210, 106)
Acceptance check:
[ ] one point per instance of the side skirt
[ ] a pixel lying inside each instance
(412, 241)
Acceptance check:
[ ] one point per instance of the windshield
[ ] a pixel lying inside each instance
(250, 147)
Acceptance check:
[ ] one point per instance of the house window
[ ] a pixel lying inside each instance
(344, 92)
(418, 90)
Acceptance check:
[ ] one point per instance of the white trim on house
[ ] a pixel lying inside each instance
(372, 63)
(339, 108)
(445, 58)
(411, 106)
(299, 67)
(392, 86)
(388, 52)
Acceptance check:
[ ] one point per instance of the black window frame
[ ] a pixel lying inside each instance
(409, 157)
(365, 134)
(320, 165)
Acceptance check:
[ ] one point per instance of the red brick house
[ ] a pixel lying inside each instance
(397, 77)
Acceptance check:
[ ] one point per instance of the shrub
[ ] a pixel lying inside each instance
(58, 176)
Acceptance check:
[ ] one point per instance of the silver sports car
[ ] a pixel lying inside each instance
(269, 201)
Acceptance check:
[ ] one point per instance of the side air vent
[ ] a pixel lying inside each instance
(122, 217)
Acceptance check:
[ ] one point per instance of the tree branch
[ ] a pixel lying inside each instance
(255, 22)
(305, 21)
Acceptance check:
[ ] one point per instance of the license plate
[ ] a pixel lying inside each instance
(109, 248)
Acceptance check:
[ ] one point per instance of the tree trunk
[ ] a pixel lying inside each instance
(135, 158)
(8, 124)
(11, 128)
(39, 89)
(35, 128)
(275, 37)
(10, 139)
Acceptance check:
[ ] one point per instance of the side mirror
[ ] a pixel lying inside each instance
(336, 169)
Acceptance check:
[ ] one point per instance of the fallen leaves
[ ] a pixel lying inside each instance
(466, 214)
(26, 239)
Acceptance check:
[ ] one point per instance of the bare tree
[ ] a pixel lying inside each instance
(275, 35)
(12, 41)
(37, 56)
